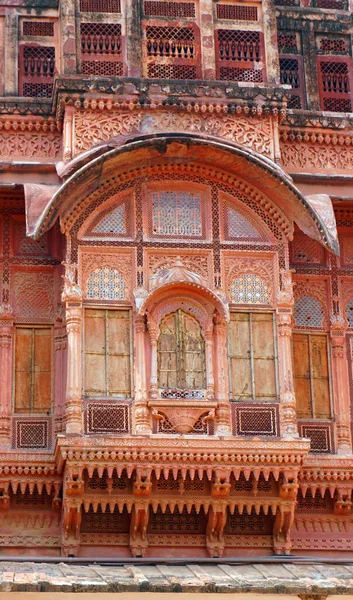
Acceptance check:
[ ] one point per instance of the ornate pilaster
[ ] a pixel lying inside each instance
(142, 414)
(68, 132)
(6, 336)
(285, 301)
(59, 371)
(153, 332)
(340, 384)
(208, 337)
(72, 297)
(223, 418)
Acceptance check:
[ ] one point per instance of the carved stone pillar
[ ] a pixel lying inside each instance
(288, 415)
(208, 337)
(153, 331)
(340, 385)
(68, 132)
(142, 414)
(223, 417)
(6, 336)
(72, 298)
(59, 373)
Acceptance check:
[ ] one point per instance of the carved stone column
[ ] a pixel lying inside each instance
(59, 373)
(153, 332)
(68, 132)
(72, 297)
(208, 337)
(142, 415)
(223, 417)
(6, 336)
(288, 415)
(340, 384)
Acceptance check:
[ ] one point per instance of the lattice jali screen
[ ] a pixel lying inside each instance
(180, 10)
(335, 85)
(306, 251)
(101, 49)
(36, 70)
(252, 419)
(320, 435)
(287, 42)
(291, 74)
(239, 55)
(349, 313)
(316, 504)
(105, 522)
(333, 45)
(113, 222)
(332, 4)
(100, 6)
(172, 52)
(38, 28)
(177, 522)
(33, 296)
(236, 12)
(287, 2)
(176, 214)
(244, 524)
(308, 312)
(105, 283)
(240, 226)
(249, 288)
(106, 417)
(31, 433)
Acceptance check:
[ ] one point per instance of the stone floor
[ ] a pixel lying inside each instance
(317, 580)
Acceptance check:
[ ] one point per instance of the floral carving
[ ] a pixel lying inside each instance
(92, 127)
(198, 264)
(89, 262)
(30, 145)
(299, 156)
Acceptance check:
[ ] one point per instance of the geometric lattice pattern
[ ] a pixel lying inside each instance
(320, 437)
(113, 222)
(306, 251)
(38, 28)
(39, 61)
(172, 72)
(249, 288)
(176, 214)
(240, 74)
(334, 76)
(100, 6)
(333, 45)
(240, 227)
(100, 38)
(33, 296)
(107, 418)
(177, 522)
(105, 283)
(102, 67)
(171, 42)
(287, 43)
(238, 45)
(105, 522)
(31, 434)
(289, 72)
(181, 10)
(349, 313)
(255, 419)
(308, 312)
(236, 12)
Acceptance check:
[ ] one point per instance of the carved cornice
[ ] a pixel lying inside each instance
(305, 118)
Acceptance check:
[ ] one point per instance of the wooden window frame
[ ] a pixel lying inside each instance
(253, 398)
(334, 95)
(14, 370)
(106, 396)
(329, 375)
(300, 92)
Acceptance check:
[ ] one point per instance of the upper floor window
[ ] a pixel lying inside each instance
(181, 353)
(291, 67)
(107, 353)
(33, 370)
(252, 357)
(311, 375)
(334, 65)
(176, 214)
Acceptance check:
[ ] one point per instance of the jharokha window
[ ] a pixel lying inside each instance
(33, 366)
(176, 214)
(181, 354)
(252, 357)
(107, 354)
(311, 375)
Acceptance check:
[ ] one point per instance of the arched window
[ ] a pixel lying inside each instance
(105, 284)
(181, 353)
(308, 312)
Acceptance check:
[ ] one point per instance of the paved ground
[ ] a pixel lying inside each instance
(312, 580)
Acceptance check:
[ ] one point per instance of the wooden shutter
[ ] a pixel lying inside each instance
(311, 376)
(107, 353)
(263, 348)
(167, 353)
(118, 349)
(33, 370)
(302, 375)
(240, 356)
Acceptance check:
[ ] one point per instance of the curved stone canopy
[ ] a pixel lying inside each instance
(313, 218)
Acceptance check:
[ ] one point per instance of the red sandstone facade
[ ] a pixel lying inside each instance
(176, 261)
